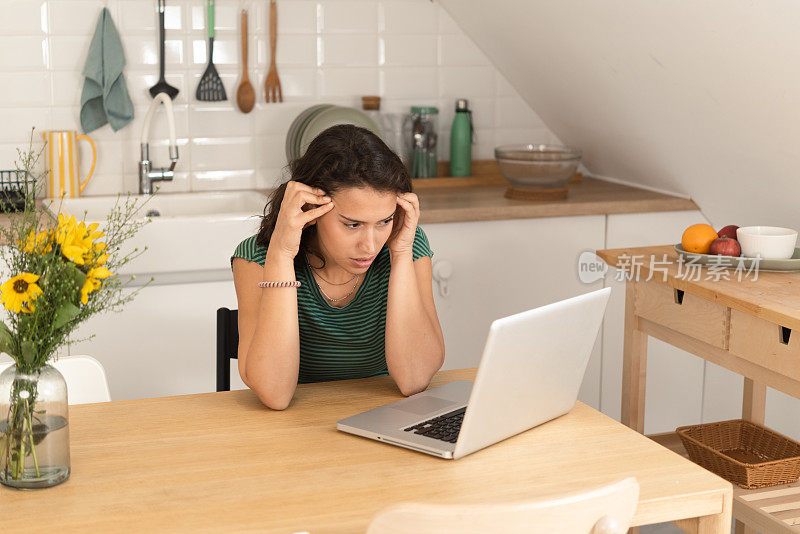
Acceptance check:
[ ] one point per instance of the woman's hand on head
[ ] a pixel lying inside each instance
(406, 219)
(301, 206)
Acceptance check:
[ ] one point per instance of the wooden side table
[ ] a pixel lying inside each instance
(749, 326)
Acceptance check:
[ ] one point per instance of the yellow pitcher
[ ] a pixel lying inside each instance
(61, 160)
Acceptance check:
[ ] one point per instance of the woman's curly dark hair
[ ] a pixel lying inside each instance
(340, 157)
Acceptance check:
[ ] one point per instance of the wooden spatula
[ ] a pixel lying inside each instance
(245, 96)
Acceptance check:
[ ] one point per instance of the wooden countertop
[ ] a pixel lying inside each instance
(224, 462)
(772, 296)
(487, 203)
(588, 197)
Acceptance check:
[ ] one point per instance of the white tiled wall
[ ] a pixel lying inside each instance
(408, 51)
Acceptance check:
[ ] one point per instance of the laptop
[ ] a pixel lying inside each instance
(530, 372)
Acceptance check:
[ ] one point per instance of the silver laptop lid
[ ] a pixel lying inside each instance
(531, 369)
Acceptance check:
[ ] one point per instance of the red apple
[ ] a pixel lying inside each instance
(725, 246)
(728, 231)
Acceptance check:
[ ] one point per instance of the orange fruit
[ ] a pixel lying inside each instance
(697, 238)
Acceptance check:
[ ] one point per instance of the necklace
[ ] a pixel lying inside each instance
(343, 283)
(344, 297)
(331, 283)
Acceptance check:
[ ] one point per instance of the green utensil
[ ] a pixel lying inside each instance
(210, 88)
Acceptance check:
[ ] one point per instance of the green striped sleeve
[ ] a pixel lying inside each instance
(421, 247)
(250, 251)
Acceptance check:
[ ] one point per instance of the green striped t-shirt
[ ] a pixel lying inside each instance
(347, 342)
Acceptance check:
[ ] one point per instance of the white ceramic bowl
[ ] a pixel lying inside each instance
(769, 242)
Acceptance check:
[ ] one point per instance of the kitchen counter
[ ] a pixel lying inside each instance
(587, 197)
(5, 221)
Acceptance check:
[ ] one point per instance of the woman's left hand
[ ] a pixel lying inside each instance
(405, 224)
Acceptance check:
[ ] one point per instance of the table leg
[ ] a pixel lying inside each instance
(754, 401)
(711, 524)
(634, 364)
(634, 368)
(719, 523)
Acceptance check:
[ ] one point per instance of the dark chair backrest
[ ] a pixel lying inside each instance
(227, 345)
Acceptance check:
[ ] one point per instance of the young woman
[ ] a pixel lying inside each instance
(344, 228)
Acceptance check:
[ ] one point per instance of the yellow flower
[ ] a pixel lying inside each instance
(93, 283)
(19, 292)
(71, 239)
(84, 235)
(95, 255)
(40, 243)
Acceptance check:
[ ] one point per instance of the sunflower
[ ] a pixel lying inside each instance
(96, 255)
(93, 278)
(19, 292)
(71, 239)
(84, 235)
(40, 243)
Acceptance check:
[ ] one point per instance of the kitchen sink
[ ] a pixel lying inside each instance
(212, 204)
(187, 232)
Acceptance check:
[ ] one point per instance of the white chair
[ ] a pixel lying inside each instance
(605, 510)
(85, 377)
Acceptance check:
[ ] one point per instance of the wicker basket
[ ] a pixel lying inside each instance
(744, 453)
(15, 186)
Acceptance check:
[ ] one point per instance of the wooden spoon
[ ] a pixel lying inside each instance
(245, 95)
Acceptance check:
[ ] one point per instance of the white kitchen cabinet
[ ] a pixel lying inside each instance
(163, 343)
(504, 267)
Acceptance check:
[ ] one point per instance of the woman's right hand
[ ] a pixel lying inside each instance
(294, 216)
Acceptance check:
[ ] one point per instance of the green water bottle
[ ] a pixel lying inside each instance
(461, 140)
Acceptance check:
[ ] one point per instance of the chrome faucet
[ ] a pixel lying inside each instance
(148, 174)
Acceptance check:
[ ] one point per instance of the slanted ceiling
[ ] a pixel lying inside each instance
(697, 98)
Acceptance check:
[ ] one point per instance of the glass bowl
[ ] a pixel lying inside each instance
(537, 166)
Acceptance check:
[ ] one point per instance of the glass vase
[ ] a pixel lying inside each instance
(34, 428)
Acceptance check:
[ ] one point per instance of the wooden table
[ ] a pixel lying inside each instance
(222, 461)
(751, 327)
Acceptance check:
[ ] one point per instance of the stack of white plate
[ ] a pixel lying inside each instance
(314, 120)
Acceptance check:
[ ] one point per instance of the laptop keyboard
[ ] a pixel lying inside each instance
(445, 427)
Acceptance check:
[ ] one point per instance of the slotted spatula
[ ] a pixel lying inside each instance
(161, 85)
(210, 88)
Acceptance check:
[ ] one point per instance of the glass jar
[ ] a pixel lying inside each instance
(392, 126)
(34, 428)
(422, 139)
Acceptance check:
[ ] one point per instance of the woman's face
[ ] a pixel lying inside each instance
(357, 227)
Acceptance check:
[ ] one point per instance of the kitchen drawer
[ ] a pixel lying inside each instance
(767, 344)
(682, 312)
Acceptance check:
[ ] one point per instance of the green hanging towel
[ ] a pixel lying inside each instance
(105, 97)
